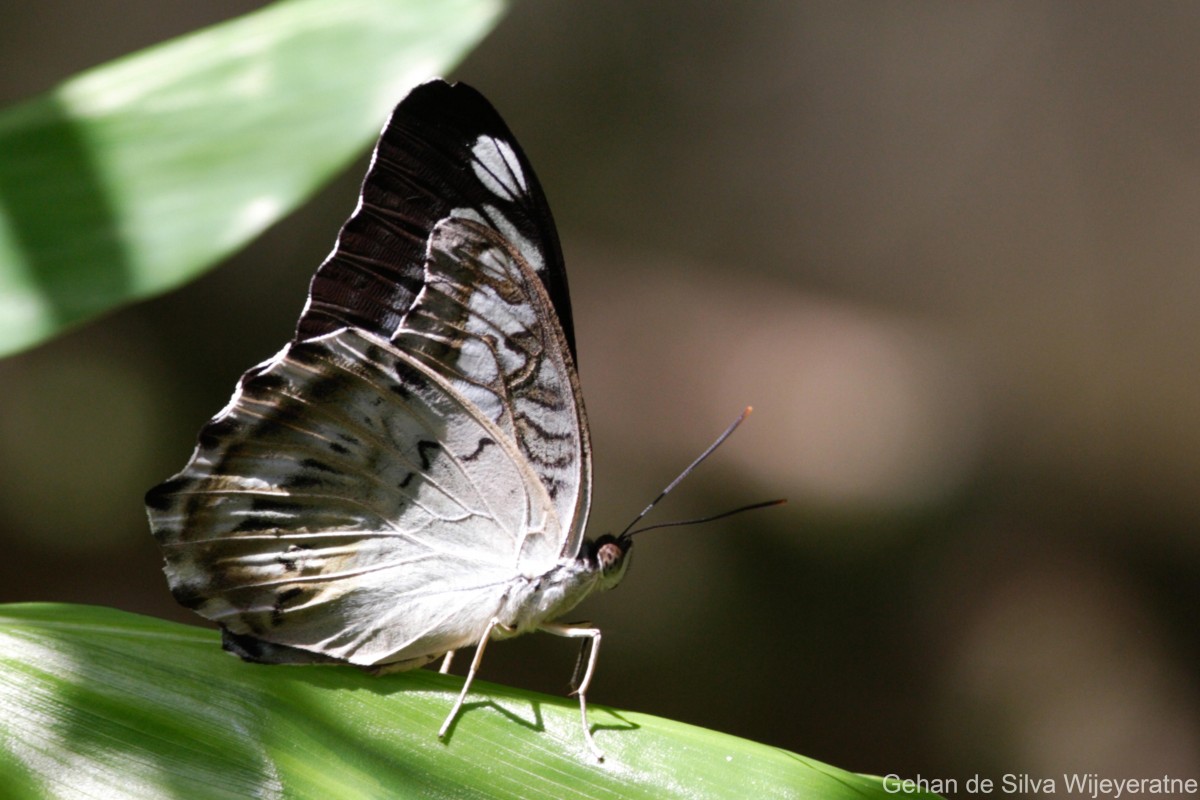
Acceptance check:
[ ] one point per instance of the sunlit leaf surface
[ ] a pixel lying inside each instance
(135, 176)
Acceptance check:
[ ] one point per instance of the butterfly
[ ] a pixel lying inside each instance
(411, 473)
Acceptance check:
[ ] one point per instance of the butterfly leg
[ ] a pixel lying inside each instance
(445, 668)
(580, 632)
(475, 662)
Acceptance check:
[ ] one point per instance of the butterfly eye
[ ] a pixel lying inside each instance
(609, 557)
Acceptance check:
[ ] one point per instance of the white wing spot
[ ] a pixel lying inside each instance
(497, 167)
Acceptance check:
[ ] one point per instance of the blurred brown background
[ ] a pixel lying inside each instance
(948, 251)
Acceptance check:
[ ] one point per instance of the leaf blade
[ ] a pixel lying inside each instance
(135, 176)
(130, 706)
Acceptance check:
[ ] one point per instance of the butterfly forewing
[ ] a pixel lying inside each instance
(370, 493)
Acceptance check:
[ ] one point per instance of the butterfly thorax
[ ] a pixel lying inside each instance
(534, 600)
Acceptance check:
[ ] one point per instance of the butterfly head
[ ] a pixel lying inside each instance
(609, 557)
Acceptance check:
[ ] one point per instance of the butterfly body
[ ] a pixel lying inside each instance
(411, 473)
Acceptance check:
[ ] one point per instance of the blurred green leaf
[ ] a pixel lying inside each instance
(101, 703)
(134, 177)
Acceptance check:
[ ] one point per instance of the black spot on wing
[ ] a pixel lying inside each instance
(161, 497)
(282, 600)
(408, 376)
(483, 443)
(212, 435)
(189, 595)
(301, 481)
(289, 560)
(262, 385)
(288, 595)
(424, 448)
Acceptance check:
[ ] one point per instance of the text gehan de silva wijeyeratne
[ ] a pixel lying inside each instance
(1076, 784)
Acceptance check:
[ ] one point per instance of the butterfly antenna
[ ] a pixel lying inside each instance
(728, 431)
(713, 518)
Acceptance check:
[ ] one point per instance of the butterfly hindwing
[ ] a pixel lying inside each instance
(321, 514)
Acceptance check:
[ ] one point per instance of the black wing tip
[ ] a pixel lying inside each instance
(459, 104)
(439, 89)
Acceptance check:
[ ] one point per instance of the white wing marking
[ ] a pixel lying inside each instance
(496, 166)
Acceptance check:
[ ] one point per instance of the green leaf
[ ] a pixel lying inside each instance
(134, 177)
(99, 702)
